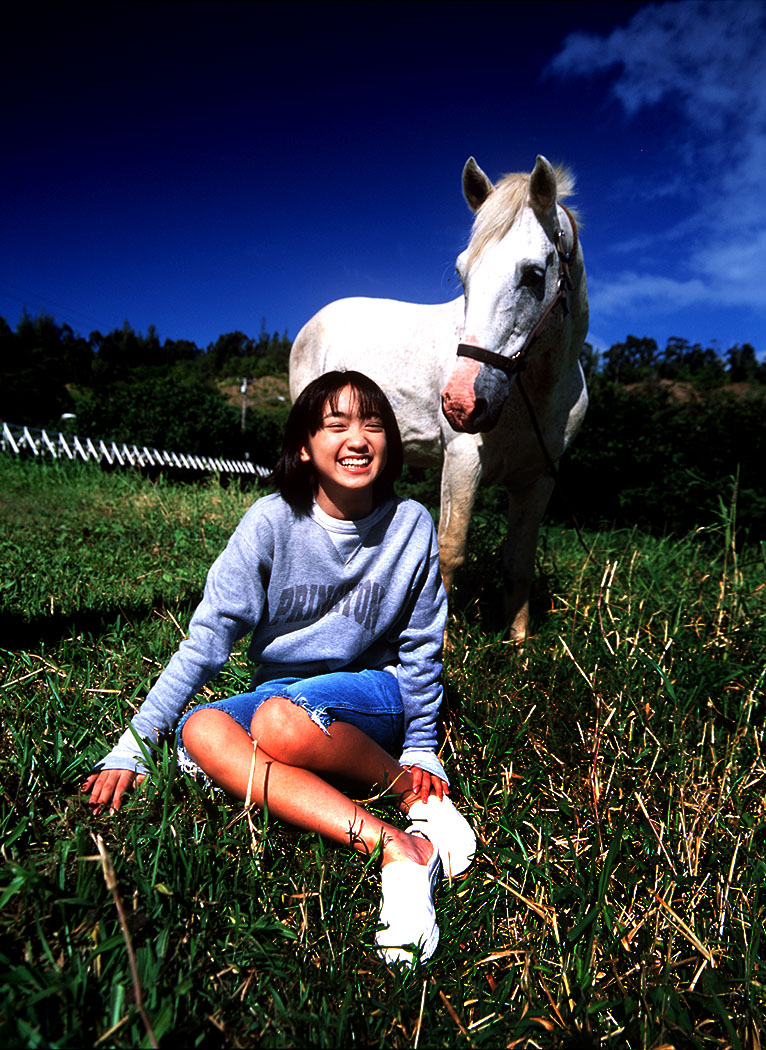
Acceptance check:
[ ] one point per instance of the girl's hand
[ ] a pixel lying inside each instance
(107, 788)
(425, 784)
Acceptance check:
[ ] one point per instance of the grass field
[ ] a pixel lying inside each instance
(613, 767)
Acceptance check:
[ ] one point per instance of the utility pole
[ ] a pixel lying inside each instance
(243, 391)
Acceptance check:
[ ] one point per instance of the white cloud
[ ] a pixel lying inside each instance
(634, 290)
(707, 61)
(734, 268)
(698, 53)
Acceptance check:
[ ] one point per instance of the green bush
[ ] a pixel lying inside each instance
(643, 459)
(160, 413)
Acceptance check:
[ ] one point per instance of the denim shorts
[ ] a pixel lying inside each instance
(369, 700)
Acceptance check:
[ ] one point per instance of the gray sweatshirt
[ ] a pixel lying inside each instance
(318, 595)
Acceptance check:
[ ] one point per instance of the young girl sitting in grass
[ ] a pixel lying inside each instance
(338, 581)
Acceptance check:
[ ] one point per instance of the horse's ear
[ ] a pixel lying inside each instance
(476, 185)
(542, 187)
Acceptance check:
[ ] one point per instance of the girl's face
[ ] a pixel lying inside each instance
(348, 454)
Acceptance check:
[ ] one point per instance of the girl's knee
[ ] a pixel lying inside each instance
(207, 728)
(283, 729)
(191, 729)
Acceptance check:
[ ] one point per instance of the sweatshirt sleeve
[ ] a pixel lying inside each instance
(420, 655)
(231, 607)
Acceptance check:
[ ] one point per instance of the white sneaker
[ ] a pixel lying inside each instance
(407, 910)
(450, 832)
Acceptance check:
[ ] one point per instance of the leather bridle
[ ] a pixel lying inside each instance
(517, 363)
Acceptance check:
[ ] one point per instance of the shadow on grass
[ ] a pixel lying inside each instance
(479, 599)
(20, 632)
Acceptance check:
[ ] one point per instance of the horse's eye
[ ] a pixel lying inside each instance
(533, 278)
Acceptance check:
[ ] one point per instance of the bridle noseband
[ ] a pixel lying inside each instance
(511, 366)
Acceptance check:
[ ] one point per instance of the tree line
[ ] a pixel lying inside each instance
(666, 430)
(638, 360)
(127, 386)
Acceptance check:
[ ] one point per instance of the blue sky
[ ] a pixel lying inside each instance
(203, 166)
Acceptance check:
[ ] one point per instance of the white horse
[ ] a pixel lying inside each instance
(524, 309)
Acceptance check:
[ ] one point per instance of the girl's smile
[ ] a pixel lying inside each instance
(348, 454)
(356, 463)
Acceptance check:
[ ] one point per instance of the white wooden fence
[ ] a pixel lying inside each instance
(25, 440)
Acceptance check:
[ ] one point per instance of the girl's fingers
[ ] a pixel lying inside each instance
(422, 782)
(425, 784)
(107, 788)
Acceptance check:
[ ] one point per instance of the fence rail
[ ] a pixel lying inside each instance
(25, 440)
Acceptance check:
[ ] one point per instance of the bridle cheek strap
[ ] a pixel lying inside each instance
(511, 366)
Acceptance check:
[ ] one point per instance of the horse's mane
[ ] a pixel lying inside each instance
(498, 212)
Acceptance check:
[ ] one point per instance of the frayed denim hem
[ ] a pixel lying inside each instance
(321, 718)
(188, 766)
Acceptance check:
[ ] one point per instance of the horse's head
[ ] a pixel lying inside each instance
(515, 276)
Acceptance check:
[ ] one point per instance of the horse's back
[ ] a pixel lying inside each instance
(402, 346)
(406, 348)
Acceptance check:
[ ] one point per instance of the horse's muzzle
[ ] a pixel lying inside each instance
(476, 420)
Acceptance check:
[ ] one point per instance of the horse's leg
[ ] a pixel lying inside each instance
(461, 472)
(525, 512)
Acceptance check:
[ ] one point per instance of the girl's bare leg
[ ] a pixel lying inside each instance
(287, 733)
(298, 795)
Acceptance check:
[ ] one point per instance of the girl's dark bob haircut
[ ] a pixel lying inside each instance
(296, 480)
